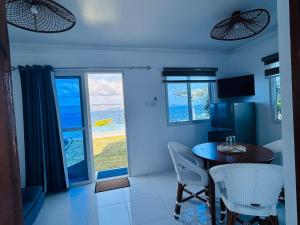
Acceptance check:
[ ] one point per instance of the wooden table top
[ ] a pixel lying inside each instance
(253, 154)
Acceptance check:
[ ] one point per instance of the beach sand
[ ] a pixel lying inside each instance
(110, 151)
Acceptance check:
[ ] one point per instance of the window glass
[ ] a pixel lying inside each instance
(69, 101)
(178, 106)
(68, 92)
(277, 98)
(188, 102)
(200, 101)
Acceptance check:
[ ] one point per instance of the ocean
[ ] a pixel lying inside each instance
(181, 113)
(71, 118)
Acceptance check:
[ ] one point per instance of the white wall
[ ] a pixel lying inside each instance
(287, 112)
(247, 60)
(148, 133)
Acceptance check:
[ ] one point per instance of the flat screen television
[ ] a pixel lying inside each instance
(236, 86)
(221, 115)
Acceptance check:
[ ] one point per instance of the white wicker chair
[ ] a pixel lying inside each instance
(277, 148)
(250, 189)
(189, 171)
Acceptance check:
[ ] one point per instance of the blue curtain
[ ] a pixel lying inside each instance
(43, 154)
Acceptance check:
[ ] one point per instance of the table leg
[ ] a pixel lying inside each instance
(212, 200)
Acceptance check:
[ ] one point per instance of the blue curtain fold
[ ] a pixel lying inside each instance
(43, 152)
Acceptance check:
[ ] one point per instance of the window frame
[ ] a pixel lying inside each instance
(211, 99)
(273, 99)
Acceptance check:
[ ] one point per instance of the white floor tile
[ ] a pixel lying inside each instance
(108, 198)
(113, 215)
(93, 218)
(140, 189)
(138, 179)
(147, 210)
(169, 202)
(165, 183)
(149, 201)
(167, 221)
(70, 218)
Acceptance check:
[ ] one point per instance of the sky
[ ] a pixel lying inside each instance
(105, 91)
(68, 91)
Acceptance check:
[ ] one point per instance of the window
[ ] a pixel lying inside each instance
(188, 102)
(189, 93)
(276, 98)
(272, 72)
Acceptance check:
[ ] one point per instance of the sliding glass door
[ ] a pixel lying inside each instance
(69, 99)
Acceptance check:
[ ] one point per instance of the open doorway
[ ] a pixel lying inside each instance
(107, 121)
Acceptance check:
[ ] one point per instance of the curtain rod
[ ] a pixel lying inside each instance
(13, 68)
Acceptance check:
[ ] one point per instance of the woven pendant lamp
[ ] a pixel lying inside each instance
(241, 25)
(44, 16)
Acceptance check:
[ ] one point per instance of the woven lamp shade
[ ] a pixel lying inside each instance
(44, 16)
(241, 25)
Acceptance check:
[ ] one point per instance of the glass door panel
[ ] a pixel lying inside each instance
(71, 117)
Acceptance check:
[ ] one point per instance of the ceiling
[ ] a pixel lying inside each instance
(164, 24)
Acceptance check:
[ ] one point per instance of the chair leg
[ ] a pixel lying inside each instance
(180, 188)
(207, 194)
(229, 215)
(274, 220)
(230, 218)
(264, 221)
(282, 196)
(223, 211)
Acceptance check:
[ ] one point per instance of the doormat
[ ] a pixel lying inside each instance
(111, 184)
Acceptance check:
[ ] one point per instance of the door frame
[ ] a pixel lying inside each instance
(86, 117)
(11, 211)
(89, 119)
(295, 76)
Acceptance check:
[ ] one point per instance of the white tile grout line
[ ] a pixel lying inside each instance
(129, 217)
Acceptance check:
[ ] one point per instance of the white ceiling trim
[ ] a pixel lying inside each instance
(34, 48)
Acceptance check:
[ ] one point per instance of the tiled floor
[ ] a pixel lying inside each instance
(149, 201)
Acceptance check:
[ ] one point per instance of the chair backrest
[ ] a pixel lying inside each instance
(276, 147)
(178, 151)
(250, 184)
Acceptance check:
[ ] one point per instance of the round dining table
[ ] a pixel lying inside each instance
(212, 157)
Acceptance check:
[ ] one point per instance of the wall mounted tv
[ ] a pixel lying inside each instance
(236, 86)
